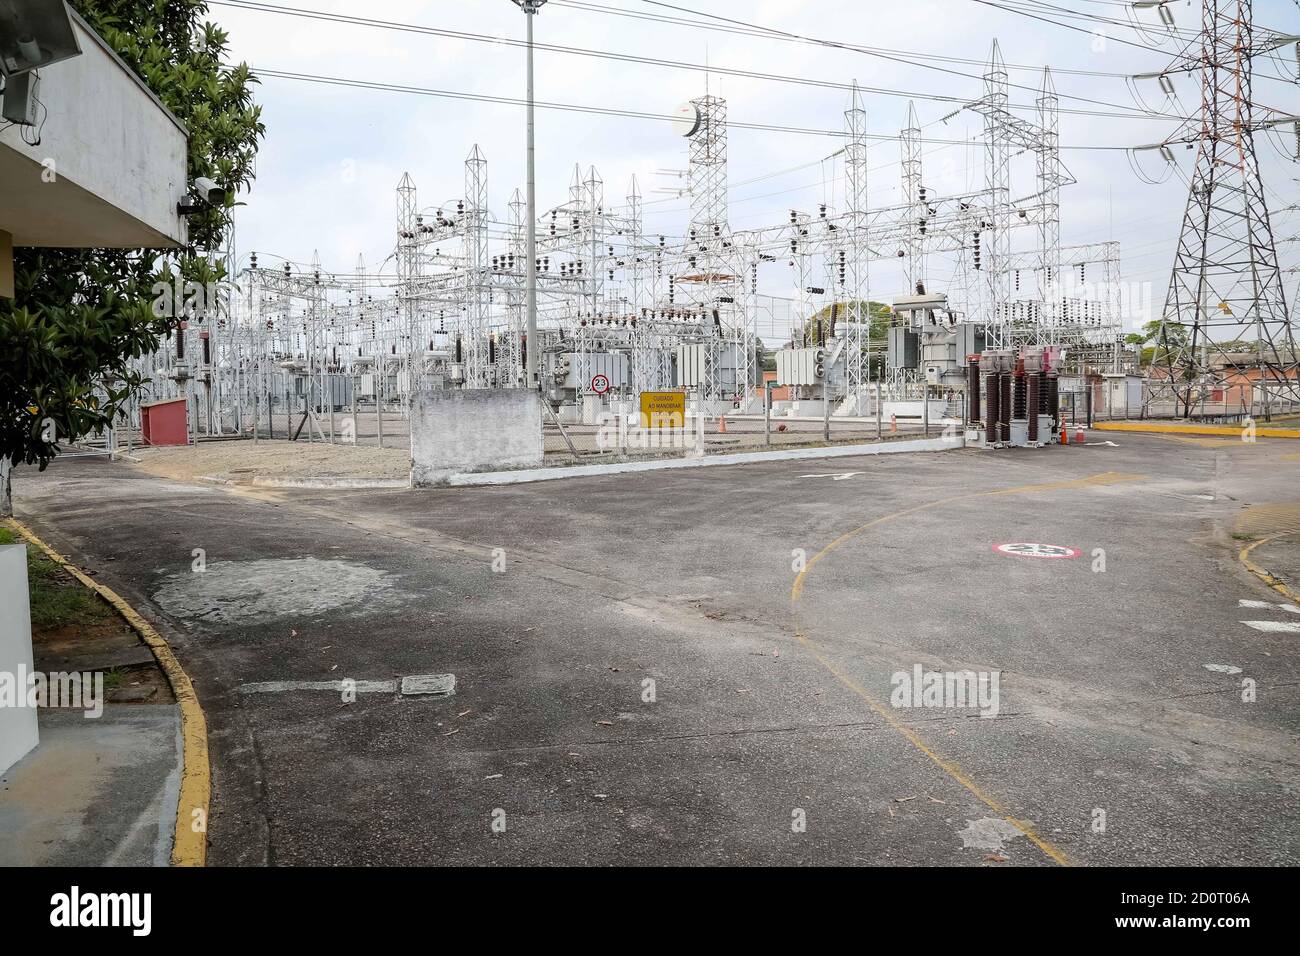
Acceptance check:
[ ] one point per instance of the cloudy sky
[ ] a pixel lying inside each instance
(333, 155)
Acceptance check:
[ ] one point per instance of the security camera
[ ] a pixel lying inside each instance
(207, 192)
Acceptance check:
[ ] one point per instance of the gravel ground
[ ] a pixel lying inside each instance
(244, 460)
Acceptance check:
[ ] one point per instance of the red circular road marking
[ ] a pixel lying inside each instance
(1030, 549)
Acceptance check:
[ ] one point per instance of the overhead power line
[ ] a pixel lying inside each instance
(305, 13)
(881, 54)
(610, 111)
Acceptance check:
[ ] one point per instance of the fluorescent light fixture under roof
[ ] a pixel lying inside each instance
(35, 33)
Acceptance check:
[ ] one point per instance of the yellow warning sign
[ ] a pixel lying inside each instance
(663, 409)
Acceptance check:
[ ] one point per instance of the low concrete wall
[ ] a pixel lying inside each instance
(17, 720)
(739, 458)
(472, 429)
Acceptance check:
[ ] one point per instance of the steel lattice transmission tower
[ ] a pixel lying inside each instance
(1225, 294)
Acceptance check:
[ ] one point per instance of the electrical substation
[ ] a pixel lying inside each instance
(636, 312)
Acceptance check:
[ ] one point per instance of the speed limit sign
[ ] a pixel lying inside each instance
(600, 384)
(1032, 549)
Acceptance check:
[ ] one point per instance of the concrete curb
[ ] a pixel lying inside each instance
(321, 483)
(1222, 431)
(332, 482)
(189, 846)
(737, 458)
(1272, 580)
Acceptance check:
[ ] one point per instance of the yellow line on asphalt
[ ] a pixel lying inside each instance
(189, 842)
(1159, 428)
(1272, 580)
(947, 766)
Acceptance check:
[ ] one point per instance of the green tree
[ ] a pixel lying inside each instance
(79, 316)
(880, 316)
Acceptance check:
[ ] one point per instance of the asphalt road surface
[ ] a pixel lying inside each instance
(701, 666)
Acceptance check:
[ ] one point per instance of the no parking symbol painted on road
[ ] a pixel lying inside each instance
(1028, 549)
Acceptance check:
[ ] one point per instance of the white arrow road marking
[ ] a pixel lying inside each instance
(834, 476)
(1223, 668)
(1110, 443)
(1268, 606)
(1276, 627)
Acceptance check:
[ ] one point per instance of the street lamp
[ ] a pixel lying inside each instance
(530, 8)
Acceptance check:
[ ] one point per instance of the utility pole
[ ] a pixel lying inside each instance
(530, 8)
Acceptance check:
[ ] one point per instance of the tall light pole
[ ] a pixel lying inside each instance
(530, 8)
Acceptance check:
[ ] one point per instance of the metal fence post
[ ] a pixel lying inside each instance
(767, 413)
(699, 420)
(826, 412)
(379, 401)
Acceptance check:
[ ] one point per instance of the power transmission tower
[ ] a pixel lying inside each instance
(1226, 297)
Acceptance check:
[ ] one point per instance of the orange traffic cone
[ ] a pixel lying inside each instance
(722, 425)
(1078, 435)
(1065, 434)
(893, 424)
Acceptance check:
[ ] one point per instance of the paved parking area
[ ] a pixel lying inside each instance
(701, 666)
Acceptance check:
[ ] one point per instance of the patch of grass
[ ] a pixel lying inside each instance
(1239, 536)
(58, 600)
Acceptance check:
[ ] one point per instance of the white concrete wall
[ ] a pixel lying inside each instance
(119, 159)
(473, 429)
(17, 724)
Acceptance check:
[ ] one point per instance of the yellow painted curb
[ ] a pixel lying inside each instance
(190, 841)
(1160, 428)
(1263, 574)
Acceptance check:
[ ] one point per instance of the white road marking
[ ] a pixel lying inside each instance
(835, 477)
(1110, 443)
(430, 685)
(1268, 606)
(1275, 627)
(279, 686)
(1223, 668)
